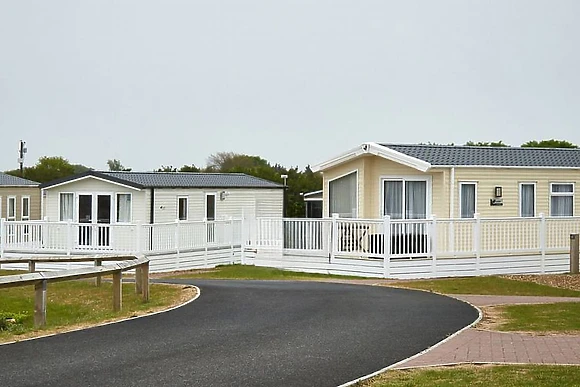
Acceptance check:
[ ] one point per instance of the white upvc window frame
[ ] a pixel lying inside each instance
(75, 205)
(461, 184)
(24, 216)
(522, 183)
(571, 194)
(215, 199)
(9, 200)
(178, 215)
(116, 207)
(404, 178)
(355, 171)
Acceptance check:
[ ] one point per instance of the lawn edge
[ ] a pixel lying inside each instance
(198, 293)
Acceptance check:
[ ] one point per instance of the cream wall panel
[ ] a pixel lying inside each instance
(509, 179)
(95, 186)
(258, 202)
(19, 192)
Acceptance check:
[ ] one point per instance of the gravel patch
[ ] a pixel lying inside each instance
(565, 281)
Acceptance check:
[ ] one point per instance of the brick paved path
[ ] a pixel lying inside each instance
(480, 346)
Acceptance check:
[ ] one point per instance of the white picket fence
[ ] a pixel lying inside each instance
(367, 247)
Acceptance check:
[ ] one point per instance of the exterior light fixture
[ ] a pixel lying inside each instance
(498, 192)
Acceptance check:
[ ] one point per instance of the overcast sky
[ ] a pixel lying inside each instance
(295, 82)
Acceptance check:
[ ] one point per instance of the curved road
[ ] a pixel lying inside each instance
(245, 333)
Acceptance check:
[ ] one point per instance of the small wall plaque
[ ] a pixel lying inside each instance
(495, 202)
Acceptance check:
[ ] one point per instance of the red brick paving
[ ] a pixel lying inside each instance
(481, 346)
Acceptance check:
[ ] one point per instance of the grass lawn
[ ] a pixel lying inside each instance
(460, 376)
(11, 272)
(74, 304)
(560, 317)
(490, 285)
(253, 272)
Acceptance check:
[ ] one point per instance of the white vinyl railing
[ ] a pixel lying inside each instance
(417, 238)
(69, 237)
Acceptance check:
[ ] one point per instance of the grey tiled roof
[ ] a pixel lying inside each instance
(9, 180)
(191, 180)
(448, 155)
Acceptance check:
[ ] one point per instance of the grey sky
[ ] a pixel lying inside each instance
(295, 82)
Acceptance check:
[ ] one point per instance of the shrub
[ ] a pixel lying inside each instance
(10, 320)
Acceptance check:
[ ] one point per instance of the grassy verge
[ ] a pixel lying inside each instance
(11, 272)
(507, 376)
(253, 272)
(76, 304)
(561, 317)
(491, 285)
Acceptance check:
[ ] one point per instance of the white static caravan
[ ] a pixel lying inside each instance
(159, 197)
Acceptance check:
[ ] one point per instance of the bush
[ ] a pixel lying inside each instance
(9, 320)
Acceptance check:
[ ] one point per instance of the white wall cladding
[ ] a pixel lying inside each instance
(92, 185)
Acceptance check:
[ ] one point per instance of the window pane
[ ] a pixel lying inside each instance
(561, 206)
(527, 200)
(210, 207)
(562, 188)
(415, 199)
(342, 196)
(25, 208)
(467, 200)
(124, 208)
(11, 208)
(394, 199)
(182, 210)
(66, 206)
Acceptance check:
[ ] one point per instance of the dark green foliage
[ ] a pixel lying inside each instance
(549, 144)
(10, 321)
(499, 143)
(47, 169)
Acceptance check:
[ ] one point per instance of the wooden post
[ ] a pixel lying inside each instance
(2, 236)
(543, 243)
(40, 303)
(145, 281)
(433, 245)
(98, 262)
(31, 266)
(574, 253)
(117, 291)
(477, 242)
(138, 280)
(334, 238)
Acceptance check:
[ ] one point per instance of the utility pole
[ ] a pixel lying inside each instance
(21, 152)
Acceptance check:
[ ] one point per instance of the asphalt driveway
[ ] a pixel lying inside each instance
(245, 333)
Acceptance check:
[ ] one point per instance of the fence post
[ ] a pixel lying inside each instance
(477, 242)
(206, 236)
(543, 238)
(243, 238)
(176, 243)
(145, 281)
(138, 237)
(574, 253)
(117, 291)
(40, 303)
(68, 237)
(232, 237)
(386, 246)
(434, 245)
(2, 236)
(98, 262)
(334, 238)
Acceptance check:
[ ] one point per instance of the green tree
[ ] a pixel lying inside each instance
(298, 182)
(499, 143)
(549, 144)
(167, 168)
(115, 165)
(189, 168)
(47, 169)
